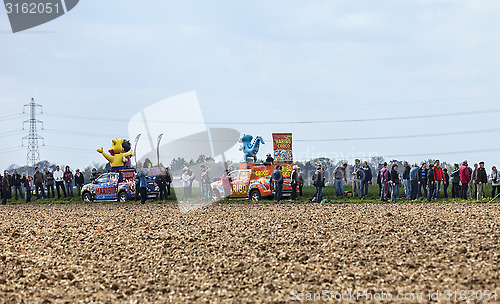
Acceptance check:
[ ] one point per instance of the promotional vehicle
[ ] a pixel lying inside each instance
(252, 180)
(118, 186)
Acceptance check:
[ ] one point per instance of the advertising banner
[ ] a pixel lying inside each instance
(282, 146)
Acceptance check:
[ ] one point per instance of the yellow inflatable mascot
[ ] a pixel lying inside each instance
(118, 154)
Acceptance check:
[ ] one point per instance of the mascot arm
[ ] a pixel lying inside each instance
(100, 150)
(107, 156)
(126, 154)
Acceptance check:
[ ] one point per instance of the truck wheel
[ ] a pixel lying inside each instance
(215, 194)
(255, 195)
(87, 197)
(122, 197)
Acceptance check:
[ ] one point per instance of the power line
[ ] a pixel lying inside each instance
(423, 116)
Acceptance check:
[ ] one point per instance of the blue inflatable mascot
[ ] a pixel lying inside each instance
(249, 147)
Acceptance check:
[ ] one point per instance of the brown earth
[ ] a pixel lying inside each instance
(244, 252)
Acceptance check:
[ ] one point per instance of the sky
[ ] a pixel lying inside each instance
(407, 80)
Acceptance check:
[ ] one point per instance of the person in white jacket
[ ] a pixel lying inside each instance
(186, 182)
(495, 181)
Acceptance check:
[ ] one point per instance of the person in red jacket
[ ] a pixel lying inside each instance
(464, 179)
(226, 184)
(439, 178)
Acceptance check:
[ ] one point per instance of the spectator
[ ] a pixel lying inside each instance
(439, 178)
(465, 179)
(431, 179)
(446, 182)
(473, 195)
(143, 186)
(186, 180)
(396, 183)
(495, 181)
(385, 177)
(294, 181)
(481, 180)
(414, 182)
(406, 179)
(93, 175)
(356, 175)
(226, 183)
(79, 181)
(16, 184)
(205, 183)
(161, 181)
(27, 181)
(5, 187)
(38, 179)
(49, 182)
(302, 181)
(169, 179)
(455, 182)
(68, 181)
(339, 174)
(192, 176)
(59, 178)
(422, 175)
(366, 179)
(277, 177)
(318, 182)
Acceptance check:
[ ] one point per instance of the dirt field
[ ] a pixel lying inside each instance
(245, 253)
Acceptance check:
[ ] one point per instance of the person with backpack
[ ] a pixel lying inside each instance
(339, 174)
(277, 177)
(465, 180)
(365, 179)
(395, 182)
(422, 175)
(495, 181)
(481, 180)
(318, 182)
(431, 180)
(384, 182)
(455, 182)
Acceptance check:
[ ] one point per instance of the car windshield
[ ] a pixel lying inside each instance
(102, 179)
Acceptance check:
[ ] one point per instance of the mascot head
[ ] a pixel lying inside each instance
(116, 146)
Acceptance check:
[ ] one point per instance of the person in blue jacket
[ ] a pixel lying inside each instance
(142, 185)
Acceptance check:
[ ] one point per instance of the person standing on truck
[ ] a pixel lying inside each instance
(294, 181)
(277, 177)
(143, 190)
(269, 160)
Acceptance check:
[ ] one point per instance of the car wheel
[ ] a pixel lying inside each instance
(87, 197)
(255, 195)
(122, 197)
(215, 194)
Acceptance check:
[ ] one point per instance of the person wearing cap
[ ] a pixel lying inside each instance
(318, 182)
(481, 180)
(464, 173)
